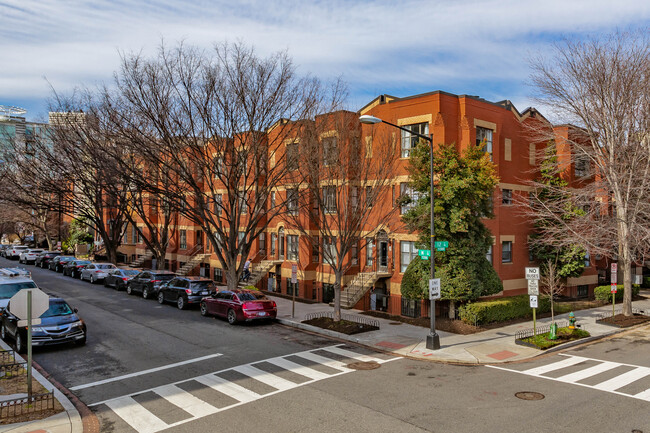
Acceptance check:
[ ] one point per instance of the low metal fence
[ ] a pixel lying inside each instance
(25, 405)
(608, 314)
(13, 369)
(526, 333)
(7, 356)
(350, 318)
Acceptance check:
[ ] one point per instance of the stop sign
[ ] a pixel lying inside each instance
(18, 303)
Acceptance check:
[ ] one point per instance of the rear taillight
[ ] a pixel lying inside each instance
(125, 279)
(97, 272)
(188, 291)
(274, 306)
(246, 306)
(156, 281)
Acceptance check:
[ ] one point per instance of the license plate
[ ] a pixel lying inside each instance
(205, 292)
(262, 313)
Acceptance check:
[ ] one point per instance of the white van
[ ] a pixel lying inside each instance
(13, 280)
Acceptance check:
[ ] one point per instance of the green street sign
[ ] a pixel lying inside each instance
(441, 244)
(424, 254)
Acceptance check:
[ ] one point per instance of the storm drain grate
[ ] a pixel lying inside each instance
(364, 365)
(529, 395)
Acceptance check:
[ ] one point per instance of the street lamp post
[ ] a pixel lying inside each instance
(433, 339)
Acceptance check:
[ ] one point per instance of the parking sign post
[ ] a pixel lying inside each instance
(532, 278)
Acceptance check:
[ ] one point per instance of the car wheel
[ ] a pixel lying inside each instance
(161, 298)
(145, 293)
(180, 303)
(129, 290)
(3, 332)
(204, 309)
(92, 280)
(20, 345)
(232, 316)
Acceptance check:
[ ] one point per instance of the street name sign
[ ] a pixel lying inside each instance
(434, 289)
(441, 245)
(533, 302)
(533, 287)
(532, 273)
(424, 254)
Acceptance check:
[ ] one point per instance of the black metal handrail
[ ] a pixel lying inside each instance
(24, 405)
(350, 318)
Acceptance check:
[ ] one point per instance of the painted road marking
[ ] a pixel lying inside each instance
(144, 421)
(610, 385)
(140, 373)
(136, 416)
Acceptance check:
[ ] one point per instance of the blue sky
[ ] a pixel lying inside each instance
(477, 47)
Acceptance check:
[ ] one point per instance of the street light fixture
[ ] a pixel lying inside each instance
(433, 339)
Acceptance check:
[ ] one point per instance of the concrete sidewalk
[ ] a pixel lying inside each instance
(487, 347)
(68, 421)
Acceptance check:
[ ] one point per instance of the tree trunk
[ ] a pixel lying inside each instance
(337, 295)
(452, 309)
(159, 255)
(232, 278)
(625, 259)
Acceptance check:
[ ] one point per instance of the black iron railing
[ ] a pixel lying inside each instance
(350, 318)
(25, 405)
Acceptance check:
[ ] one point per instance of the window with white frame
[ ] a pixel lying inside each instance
(410, 140)
(488, 255)
(354, 253)
(240, 237)
(272, 199)
(406, 190)
(329, 199)
(183, 239)
(274, 241)
(407, 253)
(484, 139)
(292, 247)
(329, 250)
(261, 241)
(292, 201)
(370, 253)
(330, 151)
(506, 252)
(587, 259)
(218, 275)
(506, 196)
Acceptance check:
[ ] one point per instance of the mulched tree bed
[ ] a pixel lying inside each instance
(343, 326)
(564, 335)
(622, 321)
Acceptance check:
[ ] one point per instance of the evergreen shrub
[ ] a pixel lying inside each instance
(501, 310)
(604, 293)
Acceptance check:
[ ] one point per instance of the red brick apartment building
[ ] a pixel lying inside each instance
(461, 119)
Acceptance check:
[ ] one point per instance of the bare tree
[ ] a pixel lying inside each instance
(603, 87)
(551, 283)
(204, 119)
(339, 191)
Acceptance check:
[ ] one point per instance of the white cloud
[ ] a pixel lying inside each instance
(381, 46)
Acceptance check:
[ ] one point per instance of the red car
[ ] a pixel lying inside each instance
(239, 306)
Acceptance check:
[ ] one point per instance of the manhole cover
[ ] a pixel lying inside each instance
(394, 323)
(364, 365)
(636, 431)
(529, 395)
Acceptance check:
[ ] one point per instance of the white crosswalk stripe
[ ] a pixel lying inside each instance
(144, 421)
(611, 385)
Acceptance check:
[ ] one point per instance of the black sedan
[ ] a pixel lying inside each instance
(59, 324)
(185, 291)
(117, 278)
(147, 282)
(57, 263)
(73, 268)
(43, 259)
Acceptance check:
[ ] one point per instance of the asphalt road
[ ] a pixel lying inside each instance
(276, 379)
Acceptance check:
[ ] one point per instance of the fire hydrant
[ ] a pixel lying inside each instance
(572, 320)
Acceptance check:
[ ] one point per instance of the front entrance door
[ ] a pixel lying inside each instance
(383, 256)
(281, 241)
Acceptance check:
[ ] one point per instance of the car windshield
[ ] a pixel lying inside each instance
(251, 296)
(130, 272)
(164, 277)
(66, 259)
(57, 309)
(105, 266)
(83, 262)
(8, 290)
(20, 248)
(203, 285)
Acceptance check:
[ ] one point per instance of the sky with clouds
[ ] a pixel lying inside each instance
(397, 47)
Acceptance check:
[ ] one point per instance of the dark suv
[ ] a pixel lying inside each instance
(43, 259)
(147, 282)
(185, 291)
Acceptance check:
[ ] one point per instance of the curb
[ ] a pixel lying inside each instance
(77, 425)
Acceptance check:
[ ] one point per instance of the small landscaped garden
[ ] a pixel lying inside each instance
(563, 335)
(348, 327)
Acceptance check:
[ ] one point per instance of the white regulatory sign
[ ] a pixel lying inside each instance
(434, 289)
(532, 273)
(18, 303)
(533, 302)
(533, 287)
(294, 274)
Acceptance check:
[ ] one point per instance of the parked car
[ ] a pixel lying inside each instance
(185, 291)
(29, 255)
(57, 263)
(59, 324)
(13, 252)
(96, 271)
(147, 282)
(118, 278)
(239, 305)
(73, 268)
(44, 258)
(12, 281)
(3, 249)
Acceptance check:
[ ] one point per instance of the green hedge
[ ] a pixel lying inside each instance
(646, 282)
(500, 310)
(604, 293)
